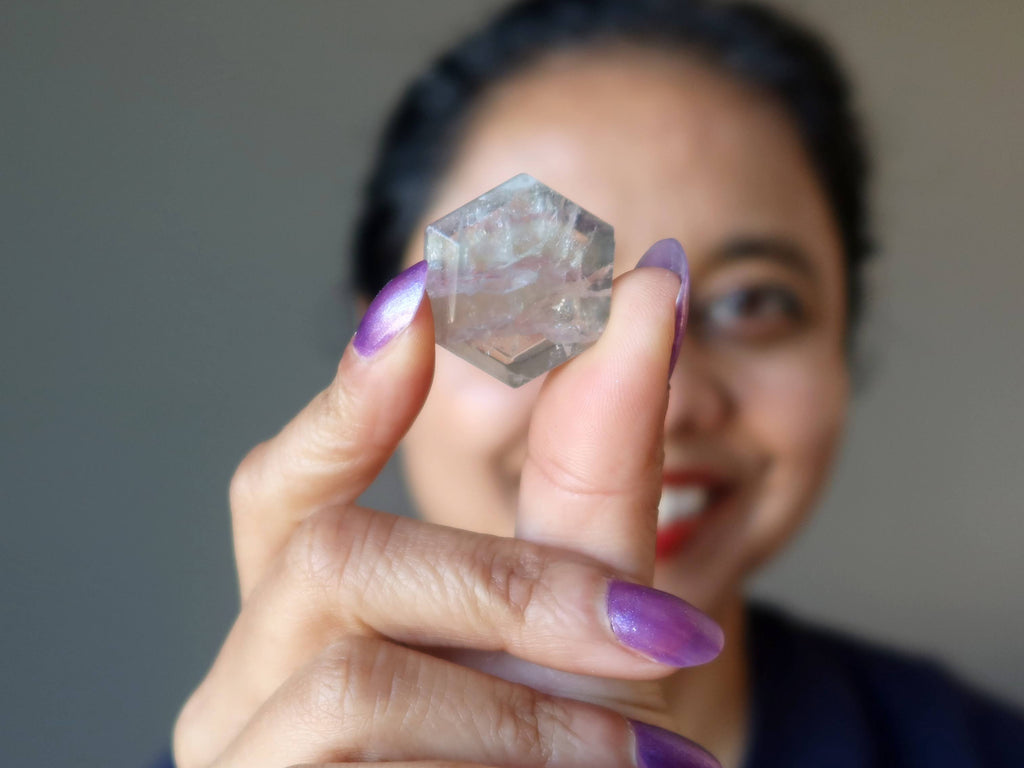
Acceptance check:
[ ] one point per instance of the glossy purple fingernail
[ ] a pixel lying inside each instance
(669, 254)
(658, 748)
(392, 310)
(661, 626)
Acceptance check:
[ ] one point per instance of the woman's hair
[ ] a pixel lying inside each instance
(752, 43)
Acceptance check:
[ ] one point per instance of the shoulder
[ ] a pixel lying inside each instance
(821, 697)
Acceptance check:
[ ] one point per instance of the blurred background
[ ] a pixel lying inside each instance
(177, 181)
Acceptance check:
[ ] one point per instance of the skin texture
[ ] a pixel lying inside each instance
(363, 637)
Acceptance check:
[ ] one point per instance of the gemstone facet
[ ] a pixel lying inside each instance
(519, 279)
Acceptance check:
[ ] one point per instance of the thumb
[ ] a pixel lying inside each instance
(592, 477)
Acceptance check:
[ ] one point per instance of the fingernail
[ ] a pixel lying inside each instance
(661, 626)
(392, 310)
(669, 254)
(658, 748)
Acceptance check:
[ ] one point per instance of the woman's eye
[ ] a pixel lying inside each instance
(757, 314)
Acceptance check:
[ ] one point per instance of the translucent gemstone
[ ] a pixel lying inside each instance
(519, 279)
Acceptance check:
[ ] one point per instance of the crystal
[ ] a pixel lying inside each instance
(519, 279)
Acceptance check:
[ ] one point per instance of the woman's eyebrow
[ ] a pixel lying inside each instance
(786, 252)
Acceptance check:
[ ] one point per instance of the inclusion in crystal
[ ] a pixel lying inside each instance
(519, 279)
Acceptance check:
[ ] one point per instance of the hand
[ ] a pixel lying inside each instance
(366, 637)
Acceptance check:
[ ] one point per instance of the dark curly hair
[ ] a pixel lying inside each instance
(750, 42)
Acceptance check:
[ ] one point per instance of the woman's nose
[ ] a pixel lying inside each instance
(698, 401)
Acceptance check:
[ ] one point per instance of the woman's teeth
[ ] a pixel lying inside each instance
(681, 503)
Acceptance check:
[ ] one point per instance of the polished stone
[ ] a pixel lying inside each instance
(519, 279)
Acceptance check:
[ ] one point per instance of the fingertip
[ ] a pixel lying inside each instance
(643, 319)
(395, 337)
(669, 254)
(666, 254)
(660, 748)
(661, 626)
(392, 310)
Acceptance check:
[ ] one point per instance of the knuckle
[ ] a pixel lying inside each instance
(318, 550)
(244, 486)
(576, 478)
(185, 741)
(514, 577)
(338, 548)
(329, 682)
(350, 687)
(526, 719)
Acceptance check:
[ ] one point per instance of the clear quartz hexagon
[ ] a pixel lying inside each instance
(519, 279)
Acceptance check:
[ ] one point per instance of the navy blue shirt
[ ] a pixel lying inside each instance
(824, 700)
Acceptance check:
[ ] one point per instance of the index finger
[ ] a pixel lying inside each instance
(334, 448)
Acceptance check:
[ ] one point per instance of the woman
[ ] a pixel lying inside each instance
(532, 616)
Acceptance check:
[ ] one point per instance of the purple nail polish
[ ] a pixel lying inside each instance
(391, 310)
(658, 748)
(669, 254)
(661, 626)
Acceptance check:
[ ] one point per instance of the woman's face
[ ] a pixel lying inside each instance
(660, 146)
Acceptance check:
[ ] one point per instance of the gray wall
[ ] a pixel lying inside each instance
(177, 180)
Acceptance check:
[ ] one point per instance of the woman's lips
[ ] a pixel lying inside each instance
(686, 498)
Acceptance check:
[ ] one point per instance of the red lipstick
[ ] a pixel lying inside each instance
(686, 500)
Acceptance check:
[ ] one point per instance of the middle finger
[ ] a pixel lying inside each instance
(360, 572)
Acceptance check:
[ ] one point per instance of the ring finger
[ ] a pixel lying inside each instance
(370, 700)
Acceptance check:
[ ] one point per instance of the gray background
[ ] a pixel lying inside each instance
(177, 181)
